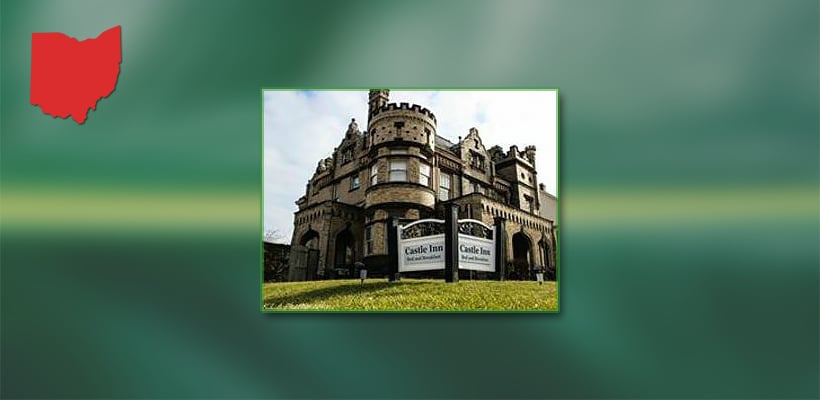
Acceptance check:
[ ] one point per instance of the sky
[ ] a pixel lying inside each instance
(302, 127)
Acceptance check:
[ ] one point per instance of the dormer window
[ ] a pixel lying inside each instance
(477, 161)
(347, 154)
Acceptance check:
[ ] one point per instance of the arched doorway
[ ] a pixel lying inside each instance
(545, 252)
(310, 251)
(345, 253)
(546, 255)
(310, 239)
(522, 256)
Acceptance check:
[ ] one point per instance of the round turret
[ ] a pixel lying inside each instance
(402, 144)
(403, 122)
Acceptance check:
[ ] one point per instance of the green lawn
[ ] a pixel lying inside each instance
(410, 295)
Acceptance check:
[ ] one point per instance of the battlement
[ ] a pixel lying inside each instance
(513, 152)
(498, 155)
(405, 107)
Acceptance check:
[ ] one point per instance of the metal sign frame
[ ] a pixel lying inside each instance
(420, 245)
(428, 247)
(480, 239)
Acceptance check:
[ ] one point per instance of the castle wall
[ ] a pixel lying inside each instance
(346, 195)
(408, 132)
(389, 193)
(548, 208)
(533, 226)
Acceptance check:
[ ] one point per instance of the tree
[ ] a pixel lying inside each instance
(276, 256)
(273, 235)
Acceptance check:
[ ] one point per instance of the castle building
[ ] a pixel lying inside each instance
(400, 167)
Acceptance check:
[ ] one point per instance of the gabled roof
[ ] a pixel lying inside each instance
(444, 143)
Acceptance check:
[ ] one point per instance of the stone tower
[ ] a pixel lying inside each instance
(401, 165)
(518, 168)
(378, 98)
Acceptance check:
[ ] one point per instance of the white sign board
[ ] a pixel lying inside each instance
(426, 253)
(421, 254)
(476, 253)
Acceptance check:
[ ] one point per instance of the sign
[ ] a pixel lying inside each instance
(421, 254)
(421, 246)
(476, 245)
(475, 253)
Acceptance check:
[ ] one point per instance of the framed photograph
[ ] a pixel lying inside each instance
(410, 200)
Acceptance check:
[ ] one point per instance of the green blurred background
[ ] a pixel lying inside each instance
(689, 202)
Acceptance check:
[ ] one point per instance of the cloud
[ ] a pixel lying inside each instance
(300, 128)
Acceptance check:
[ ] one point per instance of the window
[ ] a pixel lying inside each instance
(347, 155)
(477, 161)
(424, 174)
(398, 170)
(374, 175)
(477, 188)
(368, 240)
(399, 214)
(354, 182)
(444, 187)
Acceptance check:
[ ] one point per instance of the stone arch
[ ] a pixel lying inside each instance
(522, 255)
(310, 239)
(544, 250)
(344, 249)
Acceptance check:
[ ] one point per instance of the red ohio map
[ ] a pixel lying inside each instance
(69, 77)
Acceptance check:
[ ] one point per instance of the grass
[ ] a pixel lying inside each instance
(410, 295)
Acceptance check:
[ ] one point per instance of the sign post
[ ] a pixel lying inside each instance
(451, 243)
(500, 240)
(393, 271)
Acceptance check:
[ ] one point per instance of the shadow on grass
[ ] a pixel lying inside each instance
(321, 294)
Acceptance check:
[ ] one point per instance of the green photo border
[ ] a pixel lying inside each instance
(261, 236)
